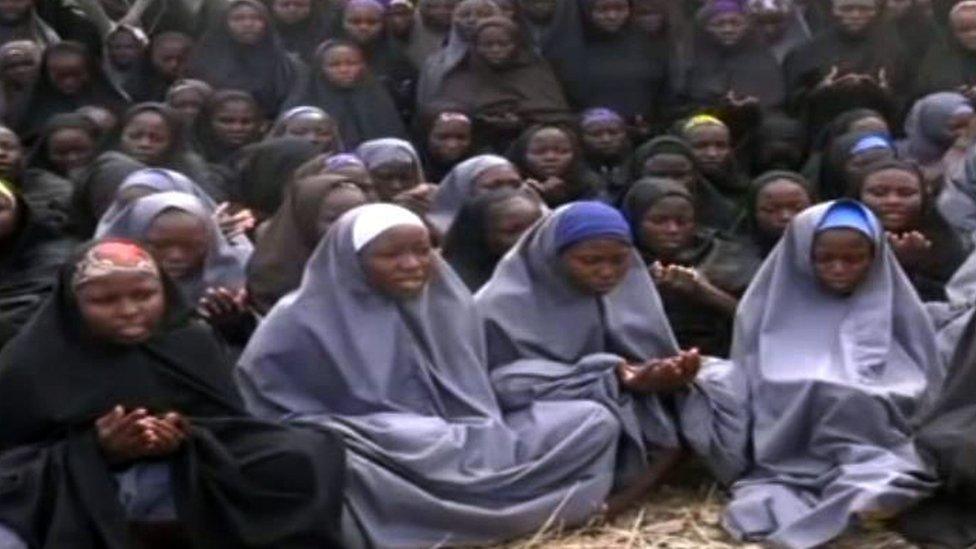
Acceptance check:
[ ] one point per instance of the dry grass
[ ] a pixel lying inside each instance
(681, 515)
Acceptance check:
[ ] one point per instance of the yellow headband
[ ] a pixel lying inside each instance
(703, 120)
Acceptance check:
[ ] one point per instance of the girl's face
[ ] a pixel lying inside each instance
(777, 204)
(449, 139)
(343, 66)
(363, 23)
(236, 122)
(471, 12)
(549, 153)
(68, 72)
(188, 103)
(895, 196)
(855, 16)
(122, 308)
(728, 29)
(712, 146)
(399, 20)
(437, 14)
(596, 266)
(8, 218)
(317, 130)
(70, 149)
(169, 57)
(336, 203)
(247, 25)
(11, 154)
(507, 221)
(124, 49)
(673, 166)
(291, 12)
(610, 15)
(963, 25)
(668, 226)
(393, 178)
(499, 177)
(841, 260)
(605, 138)
(650, 17)
(496, 46)
(178, 241)
(146, 137)
(398, 262)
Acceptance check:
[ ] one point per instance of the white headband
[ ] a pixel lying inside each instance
(374, 219)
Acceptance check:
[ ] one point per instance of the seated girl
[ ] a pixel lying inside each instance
(837, 351)
(572, 311)
(229, 120)
(397, 173)
(433, 459)
(927, 248)
(467, 180)
(312, 124)
(124, 412)
(775, 198)
(552, 157)
(447, 140)
(608, 150)
(699, 273)
(486, 227)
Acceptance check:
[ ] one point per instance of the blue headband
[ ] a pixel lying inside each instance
(849, 214)
(870, 142)
(588, 220)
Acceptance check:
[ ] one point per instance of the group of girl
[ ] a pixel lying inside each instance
(362, 273)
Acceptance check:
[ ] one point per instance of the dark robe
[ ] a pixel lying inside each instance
(265, 70)
(264, 170)
(364, 112)
(46, 100)
(303, 37)
(96, 188)
(237, 481)
(581, 182)
(758, 244)
(947, 67)
(29, 263)
(625, 71)
(390, 65)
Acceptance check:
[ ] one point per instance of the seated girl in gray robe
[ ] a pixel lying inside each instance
(382, 343)
(838, 351)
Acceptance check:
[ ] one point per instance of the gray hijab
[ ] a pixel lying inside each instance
(377, 152)
(546, 338)
(957, 201)
(160, 180)
(832, 391)
(458, 186)
(433, 460)
(223, 267)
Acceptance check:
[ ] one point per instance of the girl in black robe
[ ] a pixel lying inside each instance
(230, 120)
(447, 137)
(950, 64)
(608, 150)
(698, 273)
(552, 158)
(358, 101)
(775, 198)
(618, 68)
(55, 93)
(711, 141)
(95, 402)
(20, 65)
(31, 252)
(257, 64)
(729, 63)
(305, 24)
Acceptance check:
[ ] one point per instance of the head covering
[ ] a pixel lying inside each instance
(419, 380)
(833, 181)
(927, 126)
(717, 7)
(378, 152)
(588, 220)
(599, 114)
(280, 126)
(264, 69)
(206, 142)
(458, 187)
(365, 111)
(376, 219)
(59, 376)
(848, 214)
(39, 156)
(223, 266)
(288, 239)
(841, 379)
(265, 168)
(748, 228)
(109, 257)
(644, 193)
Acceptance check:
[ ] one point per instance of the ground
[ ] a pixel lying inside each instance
(682, 515)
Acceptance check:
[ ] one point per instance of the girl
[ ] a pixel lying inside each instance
(551, 156)
(342, 85)
(711, 141)
(936, 125)
(125, 408)
(469, 179)
(311, 124)
(949, 62)
(608, 150)
(20, 65)
(775, 198)
(448, 139)
(311, 205)
(304, 24)
(264, 170)
(832, 389)
(187, 97)
(420, 380)
(844, 163)
(229, 121)
(396, 173)
(242, 51)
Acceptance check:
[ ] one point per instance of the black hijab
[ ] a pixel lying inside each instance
(237, 481)
(712, 209)
(748, 228)
(583, 184)
(947, 66)
(265, 70)
(205, 140)
(265, 168)
(626, 71)
(46, 100)
(364, 112)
